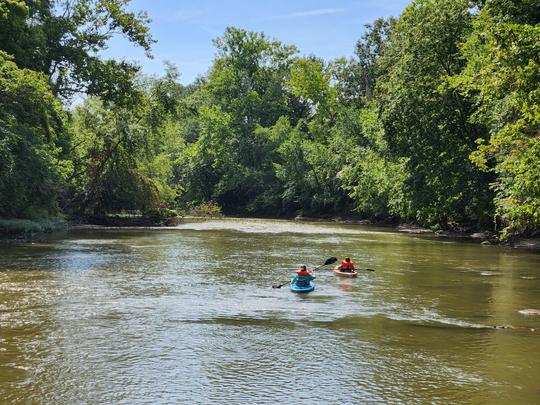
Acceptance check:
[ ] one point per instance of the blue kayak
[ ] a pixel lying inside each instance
(304, 288)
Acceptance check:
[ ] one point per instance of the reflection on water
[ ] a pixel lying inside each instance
(188, 315)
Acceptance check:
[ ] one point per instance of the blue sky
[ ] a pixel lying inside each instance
(185, 29)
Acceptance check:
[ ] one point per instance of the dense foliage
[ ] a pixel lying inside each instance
(33, 143)
(502, 78)
(435, 119)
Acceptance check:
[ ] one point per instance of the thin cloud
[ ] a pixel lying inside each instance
(211, 31)
(311, 13)
(183, 15)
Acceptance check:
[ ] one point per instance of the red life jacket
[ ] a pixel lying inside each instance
(347, 265)
(302, 272)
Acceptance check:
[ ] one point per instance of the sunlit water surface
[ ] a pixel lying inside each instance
(189, 315)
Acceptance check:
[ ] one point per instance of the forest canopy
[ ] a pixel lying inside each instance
(435, 119)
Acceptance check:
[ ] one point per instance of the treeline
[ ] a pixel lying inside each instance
(435, 119)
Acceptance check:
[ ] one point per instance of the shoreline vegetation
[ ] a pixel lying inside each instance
(433, 120)
(13, 230)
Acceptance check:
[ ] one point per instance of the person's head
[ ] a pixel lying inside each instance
(347, 259)
(303, 267)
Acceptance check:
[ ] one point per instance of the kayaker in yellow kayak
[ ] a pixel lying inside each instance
(347, 266)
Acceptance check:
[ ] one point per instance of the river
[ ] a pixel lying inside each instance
(189, 315)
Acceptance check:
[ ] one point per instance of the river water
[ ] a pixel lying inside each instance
(189, 315)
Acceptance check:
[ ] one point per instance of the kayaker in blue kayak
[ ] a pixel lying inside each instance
(303, 276)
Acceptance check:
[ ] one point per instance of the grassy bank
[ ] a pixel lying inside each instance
(26, 228)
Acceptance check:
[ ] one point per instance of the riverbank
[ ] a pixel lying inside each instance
(22, 229)
(484, 237)
(19, 229)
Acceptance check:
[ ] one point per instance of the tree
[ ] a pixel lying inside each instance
(372, 177)
(125, 155)
(244, 89)
(368, 50)
(426, 121)
(33, 144)
(502, 76)
(62, 39)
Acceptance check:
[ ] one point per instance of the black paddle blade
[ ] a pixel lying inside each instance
(330, 260)
(278, 285)
(370, 269)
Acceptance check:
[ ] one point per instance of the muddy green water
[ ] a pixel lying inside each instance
(188, 315)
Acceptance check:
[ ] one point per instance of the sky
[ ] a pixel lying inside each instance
(184, 29)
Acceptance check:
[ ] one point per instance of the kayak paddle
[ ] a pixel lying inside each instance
(328, 261)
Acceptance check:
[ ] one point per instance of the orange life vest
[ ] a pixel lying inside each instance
(347, 265)
(302, 272)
